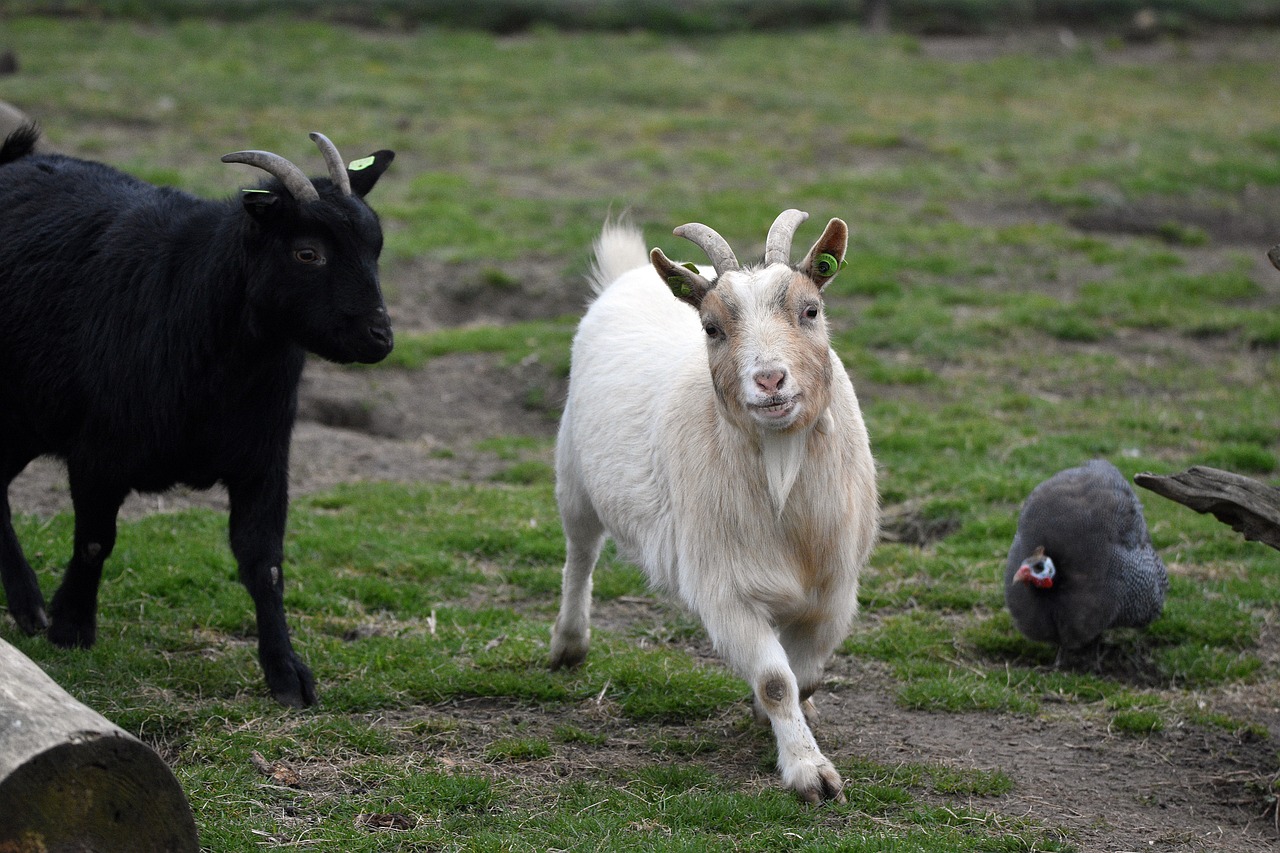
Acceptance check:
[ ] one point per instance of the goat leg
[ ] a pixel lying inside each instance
(748, 644)
(21, 589)
(584, 538)
(258, 512)
(74, 610)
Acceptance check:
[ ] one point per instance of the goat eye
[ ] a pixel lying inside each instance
(712, 330)
(810, 312)
(307, 256)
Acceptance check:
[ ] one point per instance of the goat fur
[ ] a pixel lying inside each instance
(760, 531)
(149, 338)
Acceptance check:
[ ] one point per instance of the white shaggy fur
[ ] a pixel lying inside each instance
(758, 521)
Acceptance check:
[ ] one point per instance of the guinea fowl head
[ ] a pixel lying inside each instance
(1037, 570)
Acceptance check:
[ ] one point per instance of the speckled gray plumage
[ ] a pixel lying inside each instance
(1089, 521)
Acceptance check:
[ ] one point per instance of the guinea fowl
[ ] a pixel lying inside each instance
(1082, 561)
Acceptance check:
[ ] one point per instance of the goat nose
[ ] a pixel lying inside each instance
(381, 333)
(770, 381)
(379, 327)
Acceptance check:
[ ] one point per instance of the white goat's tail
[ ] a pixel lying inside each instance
(619, 249)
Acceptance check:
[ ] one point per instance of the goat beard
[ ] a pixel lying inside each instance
(782, 454)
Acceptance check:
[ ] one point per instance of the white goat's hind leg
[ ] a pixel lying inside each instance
(749, 645)
(571, 635)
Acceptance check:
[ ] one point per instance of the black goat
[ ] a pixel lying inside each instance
(149, 338)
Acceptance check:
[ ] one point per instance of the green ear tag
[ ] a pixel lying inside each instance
(826, 265)
(362, 163)
(693, 268)
(679, 286)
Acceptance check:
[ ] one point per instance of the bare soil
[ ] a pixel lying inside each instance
(1193, 789)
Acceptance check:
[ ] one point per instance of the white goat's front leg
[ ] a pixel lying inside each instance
(748, 644)
(809, 644)
(584, 537)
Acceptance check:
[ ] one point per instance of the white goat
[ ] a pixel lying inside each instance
(724, 451)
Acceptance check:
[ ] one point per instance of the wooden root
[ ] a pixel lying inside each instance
(1249, 507)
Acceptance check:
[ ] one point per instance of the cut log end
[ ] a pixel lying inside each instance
(103, 792)
(72, 781)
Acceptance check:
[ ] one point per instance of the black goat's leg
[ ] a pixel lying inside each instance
(74, 611)
(258, 511)
(21, 589)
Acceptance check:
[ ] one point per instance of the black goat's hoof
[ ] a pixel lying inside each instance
(32, 622)
(69, 635)
(292, 684)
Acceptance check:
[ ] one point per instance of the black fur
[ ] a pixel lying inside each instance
(149, 338)
(20, 143)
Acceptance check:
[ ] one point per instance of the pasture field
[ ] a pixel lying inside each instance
(1057, 253)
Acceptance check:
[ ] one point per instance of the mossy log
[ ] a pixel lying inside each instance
(1249, 507)
(71, 781)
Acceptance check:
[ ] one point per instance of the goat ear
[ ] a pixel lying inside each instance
(364, 173)
(685, 284)
(258, 202)
(826, 258)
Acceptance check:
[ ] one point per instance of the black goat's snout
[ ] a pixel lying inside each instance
(378, 336)
(381, 334)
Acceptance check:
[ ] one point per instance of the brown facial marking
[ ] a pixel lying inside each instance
(800, 347)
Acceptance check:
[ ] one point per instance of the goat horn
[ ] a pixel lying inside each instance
(722, 257)
(777, 246)
(332, 159)
(293, 178)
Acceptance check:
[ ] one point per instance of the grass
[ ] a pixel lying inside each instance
(992, 343)
(374, 592)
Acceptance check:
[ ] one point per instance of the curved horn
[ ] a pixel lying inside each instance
(293, 178)
(332, 159)
(777, 246)
(722, 257)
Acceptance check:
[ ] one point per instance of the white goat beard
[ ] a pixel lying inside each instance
(782, 453)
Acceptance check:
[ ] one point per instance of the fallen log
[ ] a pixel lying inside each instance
(71, 780)
(1249, 507)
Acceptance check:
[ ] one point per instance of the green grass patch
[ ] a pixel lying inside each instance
(518, 749)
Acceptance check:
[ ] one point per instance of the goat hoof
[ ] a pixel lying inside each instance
(824, 785)
(566, 653)
(66, 634)
(567, 660)
(824, 792)
(291, 683)
(296, 699)
(32, 622)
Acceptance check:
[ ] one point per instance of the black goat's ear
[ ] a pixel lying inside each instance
(257, 202)
(364, 173)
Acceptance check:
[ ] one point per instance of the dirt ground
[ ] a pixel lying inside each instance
(1176, 790)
